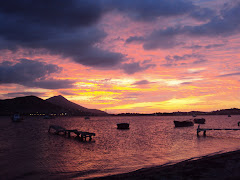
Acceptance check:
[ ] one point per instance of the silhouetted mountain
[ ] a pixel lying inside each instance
(66, 104)
(57, 105)
(26, 105)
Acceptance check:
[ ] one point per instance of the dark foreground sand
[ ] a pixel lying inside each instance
(220, 166)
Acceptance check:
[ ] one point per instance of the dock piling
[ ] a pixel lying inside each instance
(81, 135)
(212, 129)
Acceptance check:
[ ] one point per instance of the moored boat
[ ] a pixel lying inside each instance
(16, 118)
(123, 126)
(183, 123)
(199, 120)
(48, 117)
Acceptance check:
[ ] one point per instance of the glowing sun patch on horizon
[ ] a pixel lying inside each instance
(170, 104)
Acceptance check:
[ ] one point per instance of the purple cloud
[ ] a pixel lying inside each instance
(146, 10)
(19, 94)
(32, 74)
(224, 24)
(131, 68)
(142, 82)
(229, 74)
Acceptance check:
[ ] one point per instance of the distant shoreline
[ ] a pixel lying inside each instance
(58, 105)
(123, 115)
(219, 166)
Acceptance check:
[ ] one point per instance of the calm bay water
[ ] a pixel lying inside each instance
(28, 151)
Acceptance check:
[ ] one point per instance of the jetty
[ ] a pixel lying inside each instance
(80, 134)
(213, 129)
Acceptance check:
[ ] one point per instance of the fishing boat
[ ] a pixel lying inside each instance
(48, 117)
(199, 120)
(123, 126)
(183, 123)
(16, 118)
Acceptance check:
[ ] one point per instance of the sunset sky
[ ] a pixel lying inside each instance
(123, 55)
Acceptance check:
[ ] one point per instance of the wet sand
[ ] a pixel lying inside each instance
(219, 166)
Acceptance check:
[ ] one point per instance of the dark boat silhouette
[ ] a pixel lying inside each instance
(123, 126)
(183, 123)
(199, 120)
(48, 117)
(16, 117)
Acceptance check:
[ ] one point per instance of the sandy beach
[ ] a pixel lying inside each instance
(220, 166)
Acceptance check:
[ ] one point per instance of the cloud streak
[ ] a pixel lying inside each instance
(142, 82)
(184, 59)
(229, 74)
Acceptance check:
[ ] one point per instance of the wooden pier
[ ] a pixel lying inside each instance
(213, 129)
(80, 134)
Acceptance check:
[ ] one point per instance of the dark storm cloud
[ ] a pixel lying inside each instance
(131, 68)
(95, 57)
(142, 82)
(32, 74)
(67, 28)
(202, 14)
(134, 39)
(61, 13)
(158, 39)
(25, 71)
(146, 10)
(225, 24)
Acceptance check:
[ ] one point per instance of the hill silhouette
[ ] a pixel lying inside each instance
(32, 104)
(66, 104)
